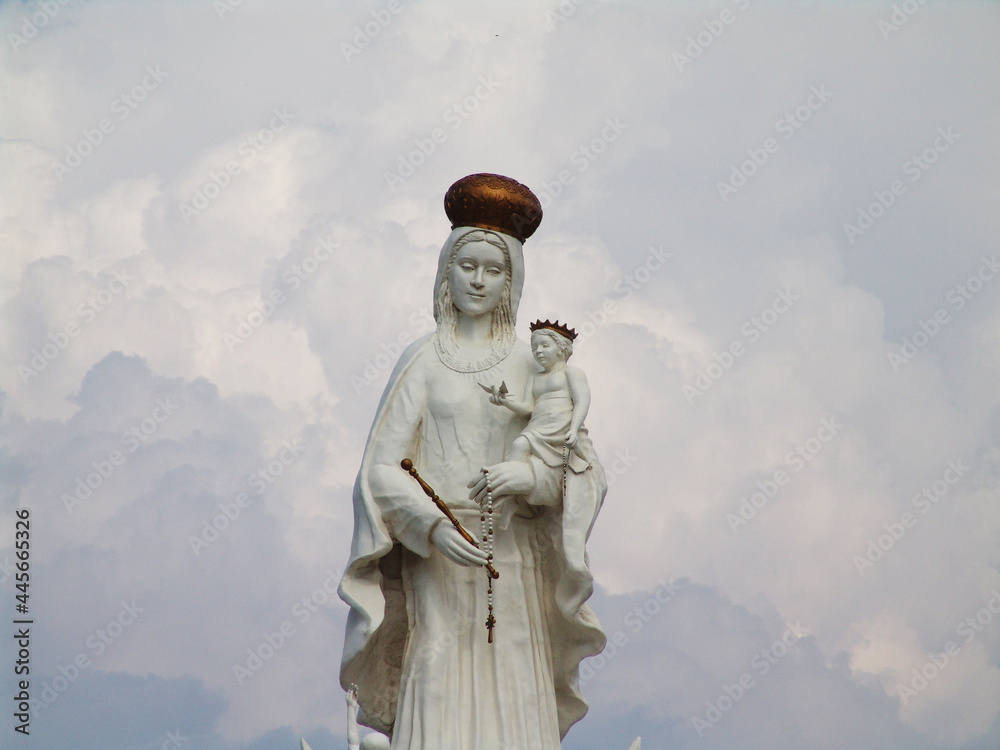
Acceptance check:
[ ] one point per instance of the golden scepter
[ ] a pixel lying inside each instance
(407, 465)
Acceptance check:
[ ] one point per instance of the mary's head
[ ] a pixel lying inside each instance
(481, 273)
(481, 267)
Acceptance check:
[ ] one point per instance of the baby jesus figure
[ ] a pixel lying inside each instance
(556, 400)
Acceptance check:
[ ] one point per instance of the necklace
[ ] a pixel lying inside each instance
(486, 525)
(452, 362)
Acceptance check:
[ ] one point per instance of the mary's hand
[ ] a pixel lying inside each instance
(507, 478)
(451, 544)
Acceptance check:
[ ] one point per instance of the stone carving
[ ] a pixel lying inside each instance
(417, 646)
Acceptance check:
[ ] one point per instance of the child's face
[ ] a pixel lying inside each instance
(545, 350)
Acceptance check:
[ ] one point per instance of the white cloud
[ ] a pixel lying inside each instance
(310, 216)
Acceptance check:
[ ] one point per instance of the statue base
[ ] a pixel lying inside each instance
(636, 744)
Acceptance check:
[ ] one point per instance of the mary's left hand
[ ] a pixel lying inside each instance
(507, 478)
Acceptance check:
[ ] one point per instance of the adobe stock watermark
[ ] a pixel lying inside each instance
(732, 693)
(562, 13)
(7, 568)
(582, 158)
(551, 534)
(455, 115)
(224, 7)
(630, 283)
(900, 16)
(968, 630)
(292, 280)
(958, 297)
(634, 622)
(795, 461)
(788, 126)
(373, 367)
(422, 321)
(132, 439)
(702, 40)
(301, 612)
(928, 497)
(915, 167)
(35, 20)
(123, 106)
(85, 312)
(423, 656)
(259, 481)
(249, 149)
(174, 740)
(752, 330)
(97, 643)
(620, 465)
(365, 34)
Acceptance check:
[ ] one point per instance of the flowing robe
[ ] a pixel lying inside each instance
(547, 428)
(416, 642)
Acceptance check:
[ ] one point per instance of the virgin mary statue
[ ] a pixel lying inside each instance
(417, 645)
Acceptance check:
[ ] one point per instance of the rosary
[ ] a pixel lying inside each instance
(486, 524)
(485, 518)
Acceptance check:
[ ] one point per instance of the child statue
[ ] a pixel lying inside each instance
(372, 740)
(556, 400)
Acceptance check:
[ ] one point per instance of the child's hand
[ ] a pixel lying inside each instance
(571, 439)
(352, 696)
(498, 396)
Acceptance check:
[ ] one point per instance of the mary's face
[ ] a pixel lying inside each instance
(477, 278)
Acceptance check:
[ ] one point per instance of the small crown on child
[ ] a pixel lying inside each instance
(556, 326)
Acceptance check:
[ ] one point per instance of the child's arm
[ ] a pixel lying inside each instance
(580, 392)
(525, 406)
(353, 737)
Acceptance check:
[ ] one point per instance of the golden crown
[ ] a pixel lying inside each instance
(492, 201)
(556, 326)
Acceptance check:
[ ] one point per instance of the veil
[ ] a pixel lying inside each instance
(377, 624)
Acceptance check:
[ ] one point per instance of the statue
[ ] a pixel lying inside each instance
(556, 399)
(434, 668)
(372, 740)
(377, 740)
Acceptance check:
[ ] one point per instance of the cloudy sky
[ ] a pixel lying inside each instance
(775, 223)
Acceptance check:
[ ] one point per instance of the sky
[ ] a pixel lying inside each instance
(774, 223)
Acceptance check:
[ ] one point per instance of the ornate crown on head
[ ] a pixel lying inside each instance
(556, 326)
(492, 201)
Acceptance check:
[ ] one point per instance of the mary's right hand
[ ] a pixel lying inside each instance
(451, 544)
(506, 478)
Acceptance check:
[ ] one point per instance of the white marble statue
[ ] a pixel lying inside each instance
(372, 740)
(556, 401)
(417, 642)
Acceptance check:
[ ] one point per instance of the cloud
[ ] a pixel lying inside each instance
(207, 298)
(692, 669)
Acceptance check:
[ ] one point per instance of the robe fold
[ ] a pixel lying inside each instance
(416, 641)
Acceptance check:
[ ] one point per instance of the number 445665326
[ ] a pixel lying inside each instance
(23, 553)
